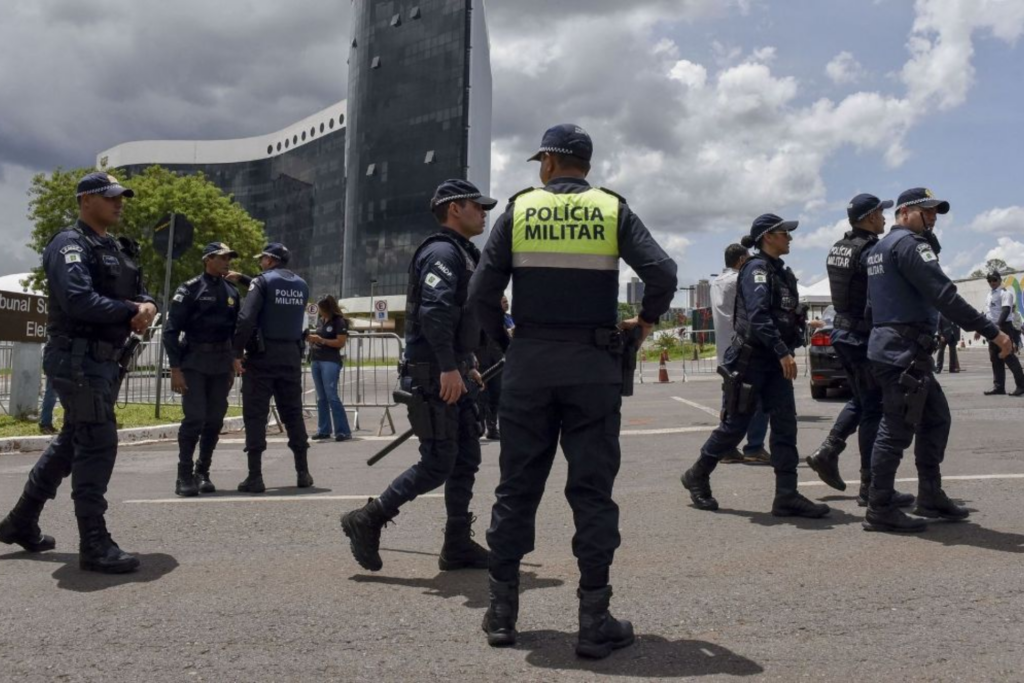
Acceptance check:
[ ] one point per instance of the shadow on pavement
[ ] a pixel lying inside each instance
(971, 534)
(834, 519)
(469, 584)
(70, 577)
(650, 657)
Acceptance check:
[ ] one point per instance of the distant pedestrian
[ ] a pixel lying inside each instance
(327, 342)
(46, 409)
(999, 310)
(949, 337)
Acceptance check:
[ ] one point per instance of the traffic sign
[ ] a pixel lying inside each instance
(311, 309)
(183, 235)
(380, 310)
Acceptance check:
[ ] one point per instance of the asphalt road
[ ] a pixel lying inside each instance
(240, 589)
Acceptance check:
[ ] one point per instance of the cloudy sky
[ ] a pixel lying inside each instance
(705, 113)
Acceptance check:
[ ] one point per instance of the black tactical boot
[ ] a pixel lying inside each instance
(884, 515)
(795, 505)
(460, 551)
(825, 461)
(303, 478)
(363, 528)
(500, 618)
(254, 482)
(600, 632)
(900, 500)
(185, 486)
(98, 552)
(21, 526)
(932, 502)
(697, 480)
(202, 474)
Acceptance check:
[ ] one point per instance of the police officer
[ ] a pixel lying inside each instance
(205, 310)
(270, 333)
(907, 290)
(848, 279)
(949, 337)
(1000, 308)
(769, 328)
(96, 300)
(561, 247)
(438, 369)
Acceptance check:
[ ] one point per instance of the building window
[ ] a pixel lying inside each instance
(341, 119)
(303, 136)
(270, 149)
(332, 124)
(287, 143)
(429, 159)
(312, 131)
(375, 64)
(321, 127)
(295, 139)
(371, 169)
(279, 147)
(396, 20)
(415, 12)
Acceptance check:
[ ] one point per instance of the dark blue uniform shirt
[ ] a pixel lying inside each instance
(853, 337)
(756, 283)
(205, 308)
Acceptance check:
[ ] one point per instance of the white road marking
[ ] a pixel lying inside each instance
(258, 499)
(962, 477)
(710, 411)
(671, 430)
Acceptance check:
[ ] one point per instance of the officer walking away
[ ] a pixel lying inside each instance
(96, 300)
(907, 290)
(723, 307)
(999, 312)
(441, 334)
(564, 374)
(949, 337)
(198, 336)
(759, 366)
(848, 279)
(270, 333)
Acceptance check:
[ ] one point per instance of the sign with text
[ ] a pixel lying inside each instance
(380, 310)
(22, 317)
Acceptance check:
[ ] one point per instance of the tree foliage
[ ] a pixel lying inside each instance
(158, 191)
(997, 264)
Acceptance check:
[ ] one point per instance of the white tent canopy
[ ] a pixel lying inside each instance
(12, 283)
(818, 293)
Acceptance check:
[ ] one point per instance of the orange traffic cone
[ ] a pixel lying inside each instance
(663, 369)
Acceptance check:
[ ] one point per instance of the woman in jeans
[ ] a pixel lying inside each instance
(330, 337)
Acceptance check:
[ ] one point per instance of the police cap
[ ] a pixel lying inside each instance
(568, 139)
(923, 197)
(102, 184)
(275, 250)
(456, 189)
(994, 276)
(218, 249)
(769, 222)
(864, 204)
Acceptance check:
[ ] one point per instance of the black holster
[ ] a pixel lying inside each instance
(915, 396)
(740, 398)
(84, 405)
(630, 347)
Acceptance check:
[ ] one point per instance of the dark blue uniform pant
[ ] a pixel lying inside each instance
(775, 394)
(204, 404)
(278, 374)
(587, 419)
(84, 450)
(954, 363)
(863, 412)
(452, 461)
(895, 435)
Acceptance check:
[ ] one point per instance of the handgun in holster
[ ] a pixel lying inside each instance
(915, 395)
(256, 344)
(83, 405)
(630, 347)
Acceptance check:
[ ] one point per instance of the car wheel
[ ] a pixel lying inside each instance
(818, 391)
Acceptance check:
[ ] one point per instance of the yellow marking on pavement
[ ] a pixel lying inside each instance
(693, 404)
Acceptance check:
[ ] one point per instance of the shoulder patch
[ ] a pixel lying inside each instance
(72, 257)
(926, 253)
(432, 280)
(179, 297)
(193, 280)
(761, 276)
(614, 194)
(521, 193)
(71, 247)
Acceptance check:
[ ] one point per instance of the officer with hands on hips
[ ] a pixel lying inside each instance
(270, 331)
(204, 310)
(848, 279)
(907, 290)
(770, 325)
(441, 334)
(561, 246)
(96, 299)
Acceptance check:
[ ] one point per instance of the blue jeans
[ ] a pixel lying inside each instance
(328, 403)
(49, 401)
(757, 431)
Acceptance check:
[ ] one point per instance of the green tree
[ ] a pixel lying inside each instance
(990, 265)
(158, 191)
(626, 311)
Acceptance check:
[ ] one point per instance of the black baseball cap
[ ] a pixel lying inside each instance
(456, 189)
(275, 250)
(218, 249)
(102, 184)
(568, 139)
(923, 197)
(994, 276)
(769, 222)
(864, 204)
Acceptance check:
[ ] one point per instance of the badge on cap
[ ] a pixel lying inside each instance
(928, 193)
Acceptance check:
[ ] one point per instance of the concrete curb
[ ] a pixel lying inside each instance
(136, 435)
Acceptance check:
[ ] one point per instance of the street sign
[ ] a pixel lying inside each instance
(311, 309)
(183, 235)
(22, 317)
(380, 310)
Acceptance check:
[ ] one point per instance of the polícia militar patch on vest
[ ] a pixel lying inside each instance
(760, 277)
(926, 253)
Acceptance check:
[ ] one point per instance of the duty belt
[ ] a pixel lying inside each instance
(426, 372)
(848, 323)
(915, 334)
(100, 350)
(212, 346)
(602, 337)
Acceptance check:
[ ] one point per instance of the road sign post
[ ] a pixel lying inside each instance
(380, 311)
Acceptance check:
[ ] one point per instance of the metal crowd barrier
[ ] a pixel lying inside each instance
(6, 367)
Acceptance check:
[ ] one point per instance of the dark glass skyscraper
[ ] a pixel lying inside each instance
(419, 111)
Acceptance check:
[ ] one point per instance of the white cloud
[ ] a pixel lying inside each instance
(1001, 221)
(821, 238)
(1007, 249)
(845, 69)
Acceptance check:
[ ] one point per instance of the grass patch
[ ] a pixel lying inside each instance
(133, 415)
(681, 352)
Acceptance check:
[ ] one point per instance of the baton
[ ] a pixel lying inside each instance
(402, 438)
